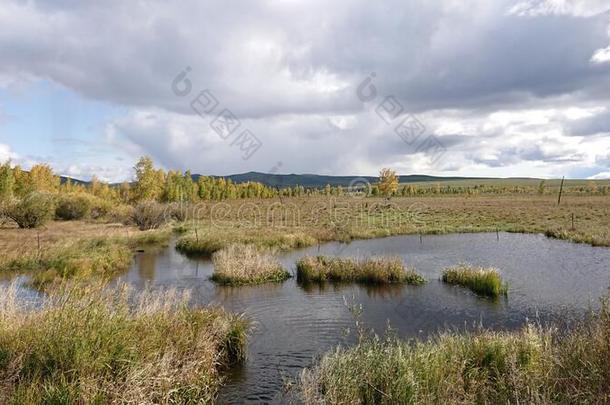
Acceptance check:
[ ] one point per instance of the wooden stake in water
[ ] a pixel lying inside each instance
(420, 239)
(560, 190)
(497, 234)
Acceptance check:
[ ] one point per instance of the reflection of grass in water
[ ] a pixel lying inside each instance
(372, 290)
(374, 270)
(98, 345)
(534, 365)
(486, 282)
(246, 264)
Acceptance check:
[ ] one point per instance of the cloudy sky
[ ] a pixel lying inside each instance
(475, 87)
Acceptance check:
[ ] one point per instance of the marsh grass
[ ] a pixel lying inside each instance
(247, 264)
(488, 368)
(97, 258)
(208, 241)
(373, 270)
(534, 365)
(482, 281)
(95, 345)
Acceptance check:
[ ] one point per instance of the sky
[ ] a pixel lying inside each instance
(442, 87)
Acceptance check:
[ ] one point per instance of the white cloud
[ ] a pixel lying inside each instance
(579, 8)
(601, 55)
(6, 153)
(601, 176)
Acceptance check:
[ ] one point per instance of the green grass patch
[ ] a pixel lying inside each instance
(374, 270)
(247, 264)
(485, 282)
(94, 345)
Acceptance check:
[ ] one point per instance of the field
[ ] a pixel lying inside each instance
(296, 222)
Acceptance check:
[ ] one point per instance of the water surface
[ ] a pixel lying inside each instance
(550, 280)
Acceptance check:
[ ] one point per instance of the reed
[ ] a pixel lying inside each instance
(98, 345)
(373, 270)
(246, 264)
(482, 281)
(534, 365)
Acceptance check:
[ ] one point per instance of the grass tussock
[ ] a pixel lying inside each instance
(246, 264)
(95, 345)
(485, 282)
(533, 366)
(374, 270)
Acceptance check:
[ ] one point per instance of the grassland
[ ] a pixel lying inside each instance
(247, 264)
(533, 366)
(93, 345)
(372, 270)
(482, 281)
(299, 222)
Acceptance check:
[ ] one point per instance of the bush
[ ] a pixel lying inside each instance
(32, 211)
(149, 215)
(121, 214)
(100, 208)
(73, 206)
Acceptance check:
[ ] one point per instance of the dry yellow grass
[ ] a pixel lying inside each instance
(266, 222)
(247, 264)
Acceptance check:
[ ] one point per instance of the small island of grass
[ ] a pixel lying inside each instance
(482, 281)
(246, 264)
(374, 270)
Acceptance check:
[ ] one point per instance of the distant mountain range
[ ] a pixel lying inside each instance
(315, 180)
(319, 181)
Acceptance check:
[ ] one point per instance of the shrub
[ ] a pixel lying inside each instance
(96, 345)
(246, 264)
(487, 282)
(100, 208)
(32, 211)
(149, 215)
(73, 206)
(369, 270)
(122, 214)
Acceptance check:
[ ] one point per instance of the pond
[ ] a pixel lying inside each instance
(550, 281)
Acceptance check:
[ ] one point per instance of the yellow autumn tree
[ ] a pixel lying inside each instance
(388, 182)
